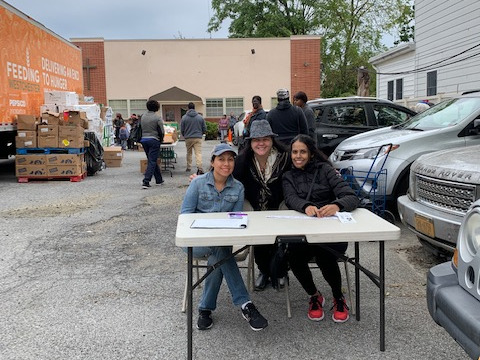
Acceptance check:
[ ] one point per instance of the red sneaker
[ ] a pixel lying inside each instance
(315, 308)
(340, 310)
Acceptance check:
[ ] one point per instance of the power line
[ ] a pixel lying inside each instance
(437, 64)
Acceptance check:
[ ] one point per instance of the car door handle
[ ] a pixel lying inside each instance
(330, 136)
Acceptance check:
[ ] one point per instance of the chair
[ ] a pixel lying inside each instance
(349, 288)
(240, 257)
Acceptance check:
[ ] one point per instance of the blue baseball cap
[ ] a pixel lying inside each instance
(221, 148)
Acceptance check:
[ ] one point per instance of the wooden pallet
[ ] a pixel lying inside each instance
(32, 151)
(75, 178)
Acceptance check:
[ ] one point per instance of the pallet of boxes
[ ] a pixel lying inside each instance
(51, 147)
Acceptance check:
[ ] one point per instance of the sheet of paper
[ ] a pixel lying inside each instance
(237, 223)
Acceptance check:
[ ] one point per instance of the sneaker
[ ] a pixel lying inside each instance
(340, 310)
(255, 319)
(205, 321)
(200, 172)
(160, 183)
(146, 185)
(188, 170)
(315, 308)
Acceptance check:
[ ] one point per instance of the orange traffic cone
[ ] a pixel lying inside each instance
(230, 135)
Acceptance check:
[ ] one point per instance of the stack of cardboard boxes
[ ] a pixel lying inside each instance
(113, 156)
(40, 142)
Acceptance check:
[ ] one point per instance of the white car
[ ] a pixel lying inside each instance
(451, 123)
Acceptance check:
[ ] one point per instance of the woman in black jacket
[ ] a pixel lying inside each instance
(260, 167)
(315, 188)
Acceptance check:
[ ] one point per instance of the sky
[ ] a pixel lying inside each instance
(123, 19)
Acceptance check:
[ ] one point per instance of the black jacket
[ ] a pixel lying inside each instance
(287, 121)
(329, 188)
(262, 196)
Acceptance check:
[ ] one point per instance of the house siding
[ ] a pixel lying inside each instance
(443, 30)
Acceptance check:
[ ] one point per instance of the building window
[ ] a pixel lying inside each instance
(138, 106)
(390, 90)
(431, 83)
(234, 105)
(119, 106)
(399, 89)
(214, 107)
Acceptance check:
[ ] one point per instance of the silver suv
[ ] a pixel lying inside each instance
(451, 123)
(443, 185)
(453, 288)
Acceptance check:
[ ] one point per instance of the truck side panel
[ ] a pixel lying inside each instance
(32, 60)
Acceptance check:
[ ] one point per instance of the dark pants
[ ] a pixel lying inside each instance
(263, 257)
(152, 149)
(299, 256)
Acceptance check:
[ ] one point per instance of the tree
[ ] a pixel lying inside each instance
(406, 24)
(351, 30)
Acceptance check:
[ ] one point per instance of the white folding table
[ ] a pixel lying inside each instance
(265, 227)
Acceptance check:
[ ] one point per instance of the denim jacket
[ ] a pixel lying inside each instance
(203, 197)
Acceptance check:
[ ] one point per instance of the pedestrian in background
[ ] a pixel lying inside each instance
(152, 137)
(223, 125)
(192, 128)
(117, 124)
(287, 120)
(300, 99)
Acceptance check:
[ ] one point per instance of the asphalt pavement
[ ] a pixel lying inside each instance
(90, 270)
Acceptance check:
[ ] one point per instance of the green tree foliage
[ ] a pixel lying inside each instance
(351, 30)
(406, 24)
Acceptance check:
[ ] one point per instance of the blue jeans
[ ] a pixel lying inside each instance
(229, 270)
(152, 149)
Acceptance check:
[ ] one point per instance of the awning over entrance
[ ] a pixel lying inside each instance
(177, 95)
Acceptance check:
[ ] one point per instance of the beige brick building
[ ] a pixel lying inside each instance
(218, 75)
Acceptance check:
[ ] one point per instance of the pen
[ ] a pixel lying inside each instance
(237, 214)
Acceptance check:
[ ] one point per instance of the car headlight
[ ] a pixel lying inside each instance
(469, 236)
(371, 153)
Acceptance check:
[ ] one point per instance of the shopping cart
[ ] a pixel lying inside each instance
(371, 186)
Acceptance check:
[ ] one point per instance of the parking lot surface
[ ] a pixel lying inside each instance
(90, 270)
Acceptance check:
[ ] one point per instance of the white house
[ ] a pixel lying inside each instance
(443, 61)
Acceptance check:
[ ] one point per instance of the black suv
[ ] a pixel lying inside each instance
(339, 118)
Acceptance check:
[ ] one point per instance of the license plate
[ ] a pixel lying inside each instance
(424, 225)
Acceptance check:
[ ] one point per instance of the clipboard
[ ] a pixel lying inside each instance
(237, 223)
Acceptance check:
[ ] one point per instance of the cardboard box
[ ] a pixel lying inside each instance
(33, 159)
(47, 141)
(75, 118)
(143, 165)
(30, 170)
(61, 97)
(70, 137)
(44, 130)
(26, 122)
(64, 170)
(112, 153)
(26, 133)
(64, 159)
(113, 162)
(51, 118)
(26, 141)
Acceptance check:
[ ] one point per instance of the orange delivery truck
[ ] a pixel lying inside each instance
(33, 59)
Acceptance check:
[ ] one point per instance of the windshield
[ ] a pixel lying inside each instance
(445, 114)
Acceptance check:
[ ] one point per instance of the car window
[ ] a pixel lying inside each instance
(346, 115)
(388, 116)
(445, 114)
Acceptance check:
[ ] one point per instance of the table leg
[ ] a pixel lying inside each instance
(357, 283)
(382, 294)
(190, 304)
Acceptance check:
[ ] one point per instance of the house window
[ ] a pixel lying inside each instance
(138, 106)
(234, 105)
(399, 89)
(119, 106)
(390, 90)
(214, 107)
(431, 83)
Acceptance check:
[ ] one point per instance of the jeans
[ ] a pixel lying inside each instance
(152, 149)
(229, 270)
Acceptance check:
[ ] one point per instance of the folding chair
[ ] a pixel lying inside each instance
(240, 257)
